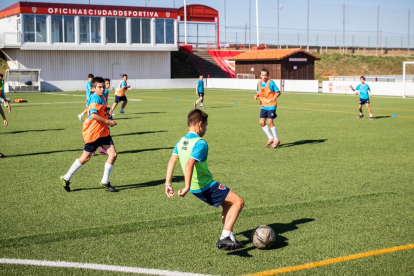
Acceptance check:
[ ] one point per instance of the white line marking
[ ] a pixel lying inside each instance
(101, 267)
(24, 104)
(60, 94)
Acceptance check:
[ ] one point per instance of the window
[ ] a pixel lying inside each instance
(115, 30)
(34, 28)
(135, 30)
(95, 30)
(69, 32)
(84, 29)
(164, 31)
(146, 30)
(57, 28)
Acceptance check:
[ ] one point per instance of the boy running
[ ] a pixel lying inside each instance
(120, 95)
(268, 92)
(95, 133)
(3, 97)
(364, 95)
(89, 92)
(106, 93)
(192, 151)
(5, 124)
(200, 92)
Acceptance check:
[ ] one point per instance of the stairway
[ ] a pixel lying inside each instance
(206, 65)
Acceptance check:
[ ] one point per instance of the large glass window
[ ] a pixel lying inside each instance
(146, 30)
(34, 28)
(95, 30)
(164, 31)
(41, 28)
(57, 28)
(135, 30)
(69, 22)
(29, 28)
(84, 29)
(115, 30)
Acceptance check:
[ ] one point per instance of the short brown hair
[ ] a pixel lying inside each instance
(265, 70)
(362, 77)
(97, 80)
(195, 116)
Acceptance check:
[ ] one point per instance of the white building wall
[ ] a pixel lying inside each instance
(10, 31)
(76, 65)
(377, 88)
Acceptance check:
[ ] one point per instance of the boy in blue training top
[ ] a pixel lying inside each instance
(200, 92)
(192, 151)
(3, 99)
(89, 92)
(5, 124)
(364, 95)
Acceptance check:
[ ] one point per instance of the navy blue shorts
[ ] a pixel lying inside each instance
(362, 101)
(268, 114)
(91, 147)
(120, 99)
(201, 94)
(215, 195)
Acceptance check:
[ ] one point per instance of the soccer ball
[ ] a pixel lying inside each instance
(263, 237)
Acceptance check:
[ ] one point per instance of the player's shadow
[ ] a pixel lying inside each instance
(279, 229)
(32, 130)
(138, 133)
(381, 117)
(302, 142)
(126, 118)
(224, 106)
(149, 184)
(42, 153)
(154, 112)
(142, 150)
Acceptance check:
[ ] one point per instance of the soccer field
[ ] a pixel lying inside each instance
(335, 187)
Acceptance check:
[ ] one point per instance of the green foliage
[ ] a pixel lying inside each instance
(336, 186)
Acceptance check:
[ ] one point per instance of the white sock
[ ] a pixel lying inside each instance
(266, 130)
(370, 115)
(75, 166)
(82, 114)
(201, 104)
(360, 114)
(197, 101)
(273, 129)
(226, 234)
(107, 172)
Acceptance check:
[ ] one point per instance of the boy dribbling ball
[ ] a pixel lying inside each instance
(192, 151)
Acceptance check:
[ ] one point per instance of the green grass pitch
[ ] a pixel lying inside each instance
(336, 186)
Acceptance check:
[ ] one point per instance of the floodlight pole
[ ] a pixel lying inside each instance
(376, 52)
(307, 33)
(343, 33)
(250, 23)
(408, 43)
(278, 15)
(257, 21)
(185, 22)
(225, 27)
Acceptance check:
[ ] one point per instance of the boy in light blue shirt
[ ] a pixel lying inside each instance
(89, 92)
(364, 95)
(200, 92)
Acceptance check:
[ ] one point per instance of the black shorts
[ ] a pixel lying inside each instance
(268, 114)
(120, 99)
(363, 101)
(201, 94)
(91, 147)
(214, 195)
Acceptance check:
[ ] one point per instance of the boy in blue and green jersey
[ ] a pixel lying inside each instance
(89, 91)
(3, 97)
(200, 92)
(364, 95)
(192, 151)
(5, 124)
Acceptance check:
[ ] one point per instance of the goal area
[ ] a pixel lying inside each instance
(408, 79)
(22, 80)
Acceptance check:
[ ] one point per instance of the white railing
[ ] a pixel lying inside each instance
(10, 39)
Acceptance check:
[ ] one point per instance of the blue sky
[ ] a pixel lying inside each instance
(325, 21)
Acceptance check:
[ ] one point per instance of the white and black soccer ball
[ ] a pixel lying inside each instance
(263, 237)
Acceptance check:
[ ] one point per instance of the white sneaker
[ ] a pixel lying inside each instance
(80, 116)
(122, 111)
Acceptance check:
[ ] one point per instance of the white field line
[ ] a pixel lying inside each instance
(25, 104)
(69, 95)
(100, 267)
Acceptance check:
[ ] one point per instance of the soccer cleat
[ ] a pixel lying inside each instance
(202, 107)
(269, 142)
(360, 116)
(93, 154)
(371, 118)
(2, 155)
(80, 116)
(108, 187)
(102, 151)
(275, 144)
(65, 183)
(122, 111)
(227, 244)
(195, 105)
